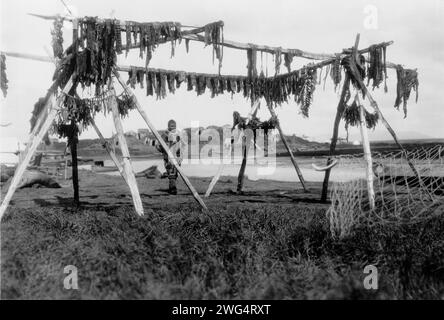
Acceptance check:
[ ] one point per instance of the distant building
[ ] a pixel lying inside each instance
(54, 140)
(342, 141)
(131, 134)
(143, 132)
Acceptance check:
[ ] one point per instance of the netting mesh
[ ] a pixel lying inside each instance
(399, 195)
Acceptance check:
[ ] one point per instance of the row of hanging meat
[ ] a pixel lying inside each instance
(158, 82)
(96, 44)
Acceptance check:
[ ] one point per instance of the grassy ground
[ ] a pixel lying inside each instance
(262, 245)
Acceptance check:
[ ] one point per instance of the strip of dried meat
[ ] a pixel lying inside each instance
(4, 78)
(335, 72)
(163, 85)
(118, 33)
(156, 83)
(352, 117)
(223, 84)
(132, 78)
(170, 79)
(407, 80)
(377, 70)
(128, 37)
(306, 88)
(214, 35)
(288, 59)
(140, 77)
(189, 82)
(149, 84)
(346, 63)
(57, 38)
(180, 77)
(277, 60)
(201, 85)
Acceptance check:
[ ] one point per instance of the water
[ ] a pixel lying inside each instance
(281, 170)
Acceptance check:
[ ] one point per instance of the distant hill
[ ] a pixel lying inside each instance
(384, 135)
(92, 148)
(138, 147)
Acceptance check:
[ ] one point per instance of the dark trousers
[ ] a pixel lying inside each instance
(171, 172)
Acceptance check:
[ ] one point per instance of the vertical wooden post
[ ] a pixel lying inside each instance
(241, 177)
(74, 161)
(287, 146)
(33, 143)
(66, 161)
(66, 167)
(160, 140)
(334, 139)
(127, 167)
(367, 156)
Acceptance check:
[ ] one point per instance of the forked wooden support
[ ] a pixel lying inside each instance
(216, 178)
(287, 146)
(339, 111)
(160, 140)
(127, 167)
(374, 104)
(54, 105)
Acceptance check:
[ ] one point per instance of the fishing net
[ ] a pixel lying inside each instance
(400, 197)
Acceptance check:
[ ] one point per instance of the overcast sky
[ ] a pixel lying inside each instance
(416, 27)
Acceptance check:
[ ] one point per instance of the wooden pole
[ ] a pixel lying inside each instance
(334, 139)
(241, 177)
(287, 146)
(364, 137)
(215, 179)
(194, 35)
(160, 140)
(329, 60)
(218, 174)
(28, 56)
(33, 143)
(110, 151)
(73, 141)
(127, 167)
(367, 156)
